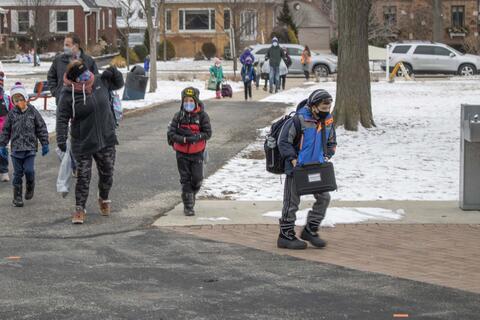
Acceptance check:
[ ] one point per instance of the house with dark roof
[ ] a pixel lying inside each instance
(92, 20)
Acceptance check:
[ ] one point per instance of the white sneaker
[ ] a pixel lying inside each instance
(4, 177)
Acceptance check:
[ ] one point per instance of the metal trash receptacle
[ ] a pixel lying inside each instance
(470, 157)
(136, 84)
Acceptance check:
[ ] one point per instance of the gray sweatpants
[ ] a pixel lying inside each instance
(291, 200)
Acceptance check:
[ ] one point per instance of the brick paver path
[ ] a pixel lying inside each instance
(447, 255)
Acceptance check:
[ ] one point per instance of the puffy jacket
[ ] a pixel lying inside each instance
(24, 129)
(274, 56)
(217, 72)
(7, 105)
(186, 124)
(92, 118)
(310, 147)
(250, 72)
(58, 68)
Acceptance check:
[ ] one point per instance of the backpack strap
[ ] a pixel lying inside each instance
(298, 127)
(324, 138)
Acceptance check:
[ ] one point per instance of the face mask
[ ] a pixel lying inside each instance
(67, 51)
(322, 114)
(275, 44)
(217, 65)
(21, 104)
(189, 106)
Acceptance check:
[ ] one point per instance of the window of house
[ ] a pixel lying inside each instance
(401, 49)
(227, 19)
(119, 12)
(23, 21)
(458, 16)
(168, 20)
(248, 25)
(140, 14)
(110, 18)
(390, 15)
(194, 20)
(425, 50)
(62, 21)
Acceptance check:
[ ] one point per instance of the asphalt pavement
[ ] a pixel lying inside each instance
(123, 268)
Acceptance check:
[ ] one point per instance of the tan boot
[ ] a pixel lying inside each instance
(79, 216)
(104, 207)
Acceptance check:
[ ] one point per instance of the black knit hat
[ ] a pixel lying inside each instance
(193, 93)
(318, 96)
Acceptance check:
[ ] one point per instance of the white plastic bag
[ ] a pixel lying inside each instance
(64, 179)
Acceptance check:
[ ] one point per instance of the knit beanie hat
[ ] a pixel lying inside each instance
(275, 39)
(18, 88)
(217, 61)
(191, 92)
(2, 78)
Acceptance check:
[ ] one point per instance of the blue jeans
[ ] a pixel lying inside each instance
(274, 78)
(23, 165)
(3, 165)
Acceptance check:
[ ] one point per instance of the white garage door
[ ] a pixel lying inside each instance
(315, 38)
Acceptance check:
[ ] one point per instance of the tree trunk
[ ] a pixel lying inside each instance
(164, 29)
(153, 46)
(353, 100)
(127, 44)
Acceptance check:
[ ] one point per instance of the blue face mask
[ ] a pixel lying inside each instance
(189, 106)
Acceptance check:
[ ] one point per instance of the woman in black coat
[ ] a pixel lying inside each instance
(85, 103)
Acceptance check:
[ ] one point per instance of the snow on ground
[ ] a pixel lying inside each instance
(167, 91)
(338, 215)
(20, 69)
(412, 154)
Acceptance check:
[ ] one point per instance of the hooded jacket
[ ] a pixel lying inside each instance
(186, 124)
(247, 53)
(310, 147)
(92, 119)
(24, 129)
(58, 68)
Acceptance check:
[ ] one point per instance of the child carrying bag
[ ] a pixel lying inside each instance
(314, 178)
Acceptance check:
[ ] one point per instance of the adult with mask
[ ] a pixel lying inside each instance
(297, 149)
(274, 55)
(86, 104)
(71, 51)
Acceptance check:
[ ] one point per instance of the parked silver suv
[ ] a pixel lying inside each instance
(324, 64)
(432, 57)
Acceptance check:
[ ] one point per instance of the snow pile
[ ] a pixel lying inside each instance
(344, 215)
(412, 154)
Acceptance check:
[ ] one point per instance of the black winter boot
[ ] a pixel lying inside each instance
(287, 238)
(17, 196)
(29, 190)
(310, 234)
(188, 203)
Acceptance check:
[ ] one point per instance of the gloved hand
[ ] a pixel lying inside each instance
(4, 153)
(62, 147)
(184, 132)
(45, 150)
(194, 138)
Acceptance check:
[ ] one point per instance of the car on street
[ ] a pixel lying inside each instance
(422, 57)
(323, 64)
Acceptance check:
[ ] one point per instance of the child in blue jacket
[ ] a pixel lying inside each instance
(248, 75)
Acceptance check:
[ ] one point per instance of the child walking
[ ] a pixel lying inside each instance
(248, 75)
(216, 71)
(5, 107)
(23, 128)
(188, 134)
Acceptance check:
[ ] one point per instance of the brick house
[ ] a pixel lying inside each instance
(453, 22)
(191, 23)
(92, 20)
(3, 20)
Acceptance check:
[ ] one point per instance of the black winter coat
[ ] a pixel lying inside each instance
(93, 122)
(24, 129)
(58, 68)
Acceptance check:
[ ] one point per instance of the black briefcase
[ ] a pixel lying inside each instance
(314, 178)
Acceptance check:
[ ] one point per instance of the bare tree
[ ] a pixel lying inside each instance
(128, 10)
(40, 29)
(380, 32)
(353, 100)
(149, 7)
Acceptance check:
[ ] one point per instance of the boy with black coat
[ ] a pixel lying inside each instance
(23, 128)
(188, 134)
